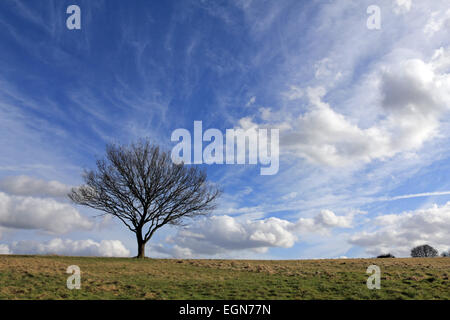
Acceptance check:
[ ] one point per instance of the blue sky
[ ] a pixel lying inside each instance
(363, 119)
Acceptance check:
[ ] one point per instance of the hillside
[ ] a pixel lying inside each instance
(44, 277)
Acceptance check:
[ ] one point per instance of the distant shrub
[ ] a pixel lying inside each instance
(388, 255)
(446, 254)
(424, 251)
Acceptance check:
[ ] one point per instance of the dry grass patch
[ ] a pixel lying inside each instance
(44, 277)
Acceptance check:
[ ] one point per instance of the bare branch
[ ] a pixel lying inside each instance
(141, 186)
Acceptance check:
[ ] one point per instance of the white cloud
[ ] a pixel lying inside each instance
(323, 222)
(4, 249)
(294, 93)
(251, 101)
(399, 233)
(412, 98)
(328, 218)
(326, 71)
(402, 6)
(36, 213)
(30, 186)
(174, 251)
(441, 60)
(417, 195)
(220, 234)
(247, 190)
(104, 248)
(438, 20)
(324, 136)
(290, 195)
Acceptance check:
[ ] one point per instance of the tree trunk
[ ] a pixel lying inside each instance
(141, 249)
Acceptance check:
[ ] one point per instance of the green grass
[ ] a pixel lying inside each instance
(44, 277)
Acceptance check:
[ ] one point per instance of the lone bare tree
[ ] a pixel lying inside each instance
(141, 186)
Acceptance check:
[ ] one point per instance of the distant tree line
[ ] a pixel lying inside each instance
(387, 255)
(423, 251)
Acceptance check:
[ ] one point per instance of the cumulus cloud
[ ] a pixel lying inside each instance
(104, 248)
(323, 222)
(30, 186)
(20, 212)
(329, 219)
(4, 249)
(413, 96)
(399, 233)
(325, 136)
(221, 234)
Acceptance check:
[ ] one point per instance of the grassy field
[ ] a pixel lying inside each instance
(44, 277)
